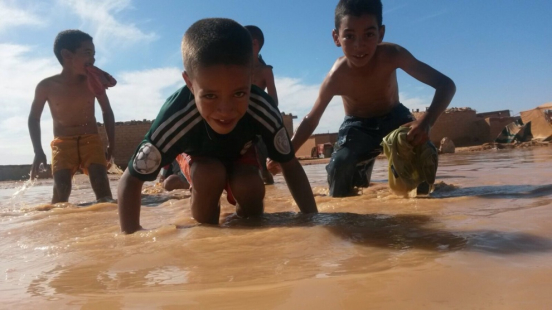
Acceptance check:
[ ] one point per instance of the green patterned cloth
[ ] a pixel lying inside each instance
(409, 166)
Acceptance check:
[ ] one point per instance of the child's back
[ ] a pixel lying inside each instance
(262, 76)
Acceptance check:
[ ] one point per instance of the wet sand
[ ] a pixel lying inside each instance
(483, 240)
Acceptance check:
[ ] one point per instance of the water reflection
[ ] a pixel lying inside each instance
(401, 231)
(498, 191)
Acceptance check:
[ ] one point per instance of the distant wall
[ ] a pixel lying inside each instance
(21, 172)
(499, 114)
(128, 136)
(465, 127)
(306, 149)
(459, 126)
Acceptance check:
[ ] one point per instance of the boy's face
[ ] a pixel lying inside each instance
(221, 94)
(358, 37)
(82, 57)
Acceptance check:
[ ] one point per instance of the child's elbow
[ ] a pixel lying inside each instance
(447, 85)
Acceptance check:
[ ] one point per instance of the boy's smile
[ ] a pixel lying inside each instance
(221, 94)
(358, 36)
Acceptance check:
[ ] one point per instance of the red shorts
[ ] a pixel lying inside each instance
(185, 161)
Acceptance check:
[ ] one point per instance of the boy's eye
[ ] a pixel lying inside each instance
(348, 36)
(209, 96)
(239, 94)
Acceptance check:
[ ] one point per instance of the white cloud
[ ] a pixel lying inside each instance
(298, 98)
(140, 94)
(16, 145)
(20, 73)
(108, 31)
(11, 17)
(414, 102)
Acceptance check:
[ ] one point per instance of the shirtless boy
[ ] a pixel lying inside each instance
(263, 77)
(76, 143)
(366, 79)
(209, 126)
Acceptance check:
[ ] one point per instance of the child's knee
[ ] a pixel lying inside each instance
(208, 173)
(341, 163)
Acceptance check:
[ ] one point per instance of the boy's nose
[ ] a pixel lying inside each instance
(360, 42)
(224, 107)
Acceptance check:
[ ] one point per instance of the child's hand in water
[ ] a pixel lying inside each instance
(39, 160)
(273, 167)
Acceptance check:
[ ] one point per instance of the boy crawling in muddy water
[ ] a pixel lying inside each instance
(70, 96)
(211, 124)
(366, 79)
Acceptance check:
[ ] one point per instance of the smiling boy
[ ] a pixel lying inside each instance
(76, 143)
(366, 79)
(214, 120)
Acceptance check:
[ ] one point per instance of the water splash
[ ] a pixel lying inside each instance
(15, 202)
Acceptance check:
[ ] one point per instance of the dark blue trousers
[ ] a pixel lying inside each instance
(357, 146)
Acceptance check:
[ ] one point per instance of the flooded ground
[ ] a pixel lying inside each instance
(483, 240)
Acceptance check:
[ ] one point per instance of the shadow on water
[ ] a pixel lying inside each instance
(401, 231)
(500, 191)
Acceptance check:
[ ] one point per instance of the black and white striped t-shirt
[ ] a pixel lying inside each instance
(179, 128)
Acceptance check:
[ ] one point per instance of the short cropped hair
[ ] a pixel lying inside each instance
(69, 40)
(215, 41)
(358, 8)
(256, 34)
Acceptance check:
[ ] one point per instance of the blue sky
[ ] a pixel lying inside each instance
(499, 53)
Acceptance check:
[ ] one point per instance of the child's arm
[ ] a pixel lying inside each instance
(311, 120)
(299, 186)
(270, 85)
(129, 200)
(109, 121)
(37, 107)
(444, 91)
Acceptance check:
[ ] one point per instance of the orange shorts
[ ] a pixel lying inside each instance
(77, 152)
(185, 161)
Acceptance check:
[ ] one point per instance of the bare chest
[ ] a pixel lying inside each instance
(369, 87)
(71, 98)
(369, 95)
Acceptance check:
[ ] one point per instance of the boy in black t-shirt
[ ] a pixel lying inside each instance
(214, 121)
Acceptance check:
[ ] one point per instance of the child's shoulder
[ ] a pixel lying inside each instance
(389, 51)
(49, 82)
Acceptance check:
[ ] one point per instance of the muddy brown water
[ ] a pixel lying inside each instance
(483, 240)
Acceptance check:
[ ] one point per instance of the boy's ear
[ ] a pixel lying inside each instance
(381, 33)
(188, 81)
(66, 54)
(335, 36)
